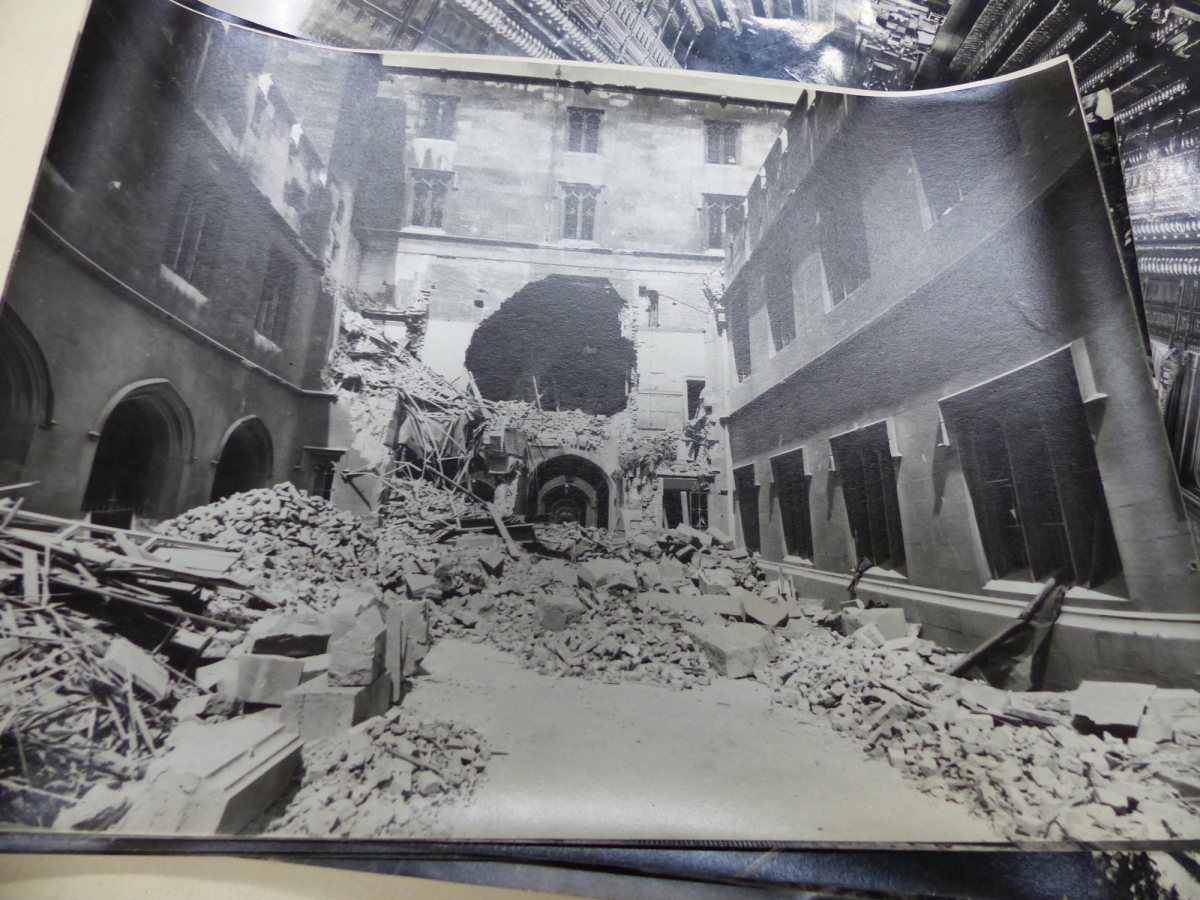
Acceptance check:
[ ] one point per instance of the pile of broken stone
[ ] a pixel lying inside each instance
(1106, 761)
(285, 718)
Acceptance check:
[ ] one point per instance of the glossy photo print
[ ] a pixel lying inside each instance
(429, 446)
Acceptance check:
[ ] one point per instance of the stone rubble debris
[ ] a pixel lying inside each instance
(250, 655)
(413, 767)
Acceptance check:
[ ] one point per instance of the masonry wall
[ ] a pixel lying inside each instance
(1021, 267)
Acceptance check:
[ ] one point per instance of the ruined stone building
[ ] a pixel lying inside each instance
(165, 324)
(1143, 52)
(658, 33)
(939, 370)
(557, 239)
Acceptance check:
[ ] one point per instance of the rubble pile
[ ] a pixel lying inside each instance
(417, 510)
(81, 698)
(382, 778)
(282, 532)
(652, 607)
(559, 428)
(1109, 760)
(618, 640)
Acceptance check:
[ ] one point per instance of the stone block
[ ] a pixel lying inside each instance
(643, 543)
(290, 634)
(421, 587)
(356, 659)
(611, 574)
(128, 660)
(314, 666)
(671, 570)
(101, 807)
(693, 536)
(869, 637)
(221, 677)
(720, 538)
(1163, 709)
(217, 778)
(1107, 703)
(759, 610)
(735, 650)
(265, 679)
(556, 611)
(649, 575)
(716, 581)
(493, 562)
(890, 621)
(350, 607)
(318, 709)
(1187, 731)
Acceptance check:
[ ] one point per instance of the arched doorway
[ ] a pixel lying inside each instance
(141, 448)
(570, 489)
(247, 459)
(25, 398)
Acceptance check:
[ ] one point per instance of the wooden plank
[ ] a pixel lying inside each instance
(31, 577)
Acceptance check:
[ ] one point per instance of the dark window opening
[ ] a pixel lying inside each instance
(792, 487)
(194, 239)
(723, 215)
(685, 502)
(721, 142)
(438, 117)
(579, 211)
(320, 468)
(429, 189)
(781, 307)
(583, 130)
(556, 343)
(275, 298)
(246, 463)
(695, 388)
(867, 473)
(746, 489)
(1031, 471)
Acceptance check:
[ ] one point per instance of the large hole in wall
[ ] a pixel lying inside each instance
(556, 342)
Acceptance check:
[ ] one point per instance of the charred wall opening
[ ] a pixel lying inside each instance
(556, 342)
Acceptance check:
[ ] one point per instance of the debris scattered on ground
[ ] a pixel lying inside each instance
(383, 778)
(1034, 762)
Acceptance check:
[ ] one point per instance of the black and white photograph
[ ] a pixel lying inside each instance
(429, 446)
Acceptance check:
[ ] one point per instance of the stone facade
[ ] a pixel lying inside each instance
(940, 344)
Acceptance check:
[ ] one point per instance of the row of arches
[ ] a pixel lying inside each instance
(144, 437)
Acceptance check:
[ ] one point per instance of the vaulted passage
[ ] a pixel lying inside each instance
(24, 394)
(556, 342)
(570, 489)
(140, 454)
(246, 462)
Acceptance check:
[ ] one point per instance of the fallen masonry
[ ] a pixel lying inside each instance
(243, 669)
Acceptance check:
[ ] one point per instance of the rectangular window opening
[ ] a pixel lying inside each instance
(723, 215)
(438, 116)
(721, 142)
(747, 504)
(583, 130)
(194, 241)
(579, 211)
(1032, 476)
(792, 486)
(867, 473)
(277, 291)
(429, 191)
